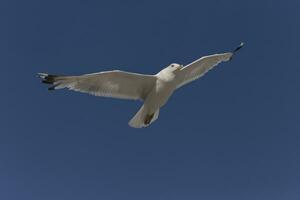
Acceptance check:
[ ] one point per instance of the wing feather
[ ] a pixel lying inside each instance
(116, 84)
(201, 66)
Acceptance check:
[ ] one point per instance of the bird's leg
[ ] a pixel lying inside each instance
(148, 118)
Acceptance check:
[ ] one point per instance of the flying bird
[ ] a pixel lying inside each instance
(153, 90)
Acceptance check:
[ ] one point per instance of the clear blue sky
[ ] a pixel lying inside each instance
(234, 134)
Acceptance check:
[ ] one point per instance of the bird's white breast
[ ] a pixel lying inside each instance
(161, 92)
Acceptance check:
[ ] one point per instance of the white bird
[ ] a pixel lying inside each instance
(154, 90)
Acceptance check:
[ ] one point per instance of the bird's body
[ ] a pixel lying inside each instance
(154, 90)
(163, 88)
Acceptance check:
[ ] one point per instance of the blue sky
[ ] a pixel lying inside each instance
(234, 134)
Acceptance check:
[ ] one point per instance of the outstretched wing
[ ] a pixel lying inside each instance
(199, 67)
(116, 84)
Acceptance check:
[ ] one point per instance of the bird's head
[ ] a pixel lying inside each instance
(171, 70)
(174, 67)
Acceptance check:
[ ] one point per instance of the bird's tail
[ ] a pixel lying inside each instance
(142, 118)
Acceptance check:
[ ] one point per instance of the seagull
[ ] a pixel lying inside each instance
(153, 90)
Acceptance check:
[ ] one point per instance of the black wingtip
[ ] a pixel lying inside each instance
(236, 49)
(48, 79)
(239, 47)
(52, 88)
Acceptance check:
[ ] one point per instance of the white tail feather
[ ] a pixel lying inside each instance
(138, 121)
